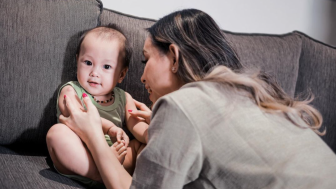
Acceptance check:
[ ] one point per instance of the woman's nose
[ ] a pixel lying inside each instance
(143, 80)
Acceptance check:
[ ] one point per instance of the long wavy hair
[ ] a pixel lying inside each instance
(206, 55)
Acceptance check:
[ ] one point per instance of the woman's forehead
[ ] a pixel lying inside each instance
(147, 46)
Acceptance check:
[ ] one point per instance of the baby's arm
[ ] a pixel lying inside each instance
(136, 126)
(116, 133)
(69, 92)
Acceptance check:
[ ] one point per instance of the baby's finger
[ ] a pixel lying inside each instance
(123, 153)
(126, 140)
(122, 149)
(118, 145)
(114, 145)
(119, 136)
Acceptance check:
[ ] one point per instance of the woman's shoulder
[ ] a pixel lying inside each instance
(202, 91)
(202, 98)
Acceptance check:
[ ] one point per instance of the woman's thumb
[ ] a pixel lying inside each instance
(62, 119)
(87, 102)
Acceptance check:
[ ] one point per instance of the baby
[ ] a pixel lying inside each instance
(102, 61)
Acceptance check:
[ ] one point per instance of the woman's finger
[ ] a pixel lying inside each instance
(141, 106)
(69, 105)
(88, 103)
(139, 113)
(142, 114)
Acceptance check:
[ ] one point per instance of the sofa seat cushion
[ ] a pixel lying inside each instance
(27, 171)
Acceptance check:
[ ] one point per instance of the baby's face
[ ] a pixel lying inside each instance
(99, 64)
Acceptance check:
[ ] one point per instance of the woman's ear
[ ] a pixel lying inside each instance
(174, 52)
(122, 74)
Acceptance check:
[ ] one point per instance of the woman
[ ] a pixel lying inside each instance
(213, 124)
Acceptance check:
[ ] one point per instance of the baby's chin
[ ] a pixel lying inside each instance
(90, 91)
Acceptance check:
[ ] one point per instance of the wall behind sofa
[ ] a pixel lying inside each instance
(316, 18)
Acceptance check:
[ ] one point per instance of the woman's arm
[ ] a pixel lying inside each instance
(87, 125)
(138, 127)
(173, 156)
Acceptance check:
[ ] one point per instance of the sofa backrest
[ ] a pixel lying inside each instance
(134, 29)
(37, 46)
(39, 41)
(277, 55)
(317, 73)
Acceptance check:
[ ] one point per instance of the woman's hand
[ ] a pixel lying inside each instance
(143, 113)
(85, 124)
(88, 126)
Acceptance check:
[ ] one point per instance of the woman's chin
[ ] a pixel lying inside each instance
(152, 98)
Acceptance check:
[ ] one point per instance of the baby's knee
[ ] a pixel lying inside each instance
(56, 132)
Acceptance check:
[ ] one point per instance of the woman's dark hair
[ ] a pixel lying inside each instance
(201, 43)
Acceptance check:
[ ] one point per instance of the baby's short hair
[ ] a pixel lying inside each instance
(110, 31)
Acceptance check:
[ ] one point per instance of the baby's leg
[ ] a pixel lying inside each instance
(69, 154)
(133, 150)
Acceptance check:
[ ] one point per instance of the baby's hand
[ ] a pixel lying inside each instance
(118, 134)
(119, 150)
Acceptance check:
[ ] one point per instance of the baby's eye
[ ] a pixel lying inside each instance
(87, 62)
(107, 67)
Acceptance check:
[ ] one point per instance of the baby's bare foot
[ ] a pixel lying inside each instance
(119, 150)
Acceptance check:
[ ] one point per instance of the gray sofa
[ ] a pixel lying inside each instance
(37, 46)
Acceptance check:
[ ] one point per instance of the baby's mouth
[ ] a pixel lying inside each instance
(91, 83)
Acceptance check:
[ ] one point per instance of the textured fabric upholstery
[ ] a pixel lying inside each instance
(134, 29)
(277, 55)
(37, 45)
(27, 171)
(317, 73)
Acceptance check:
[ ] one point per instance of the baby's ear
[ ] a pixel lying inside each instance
(122, 74)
